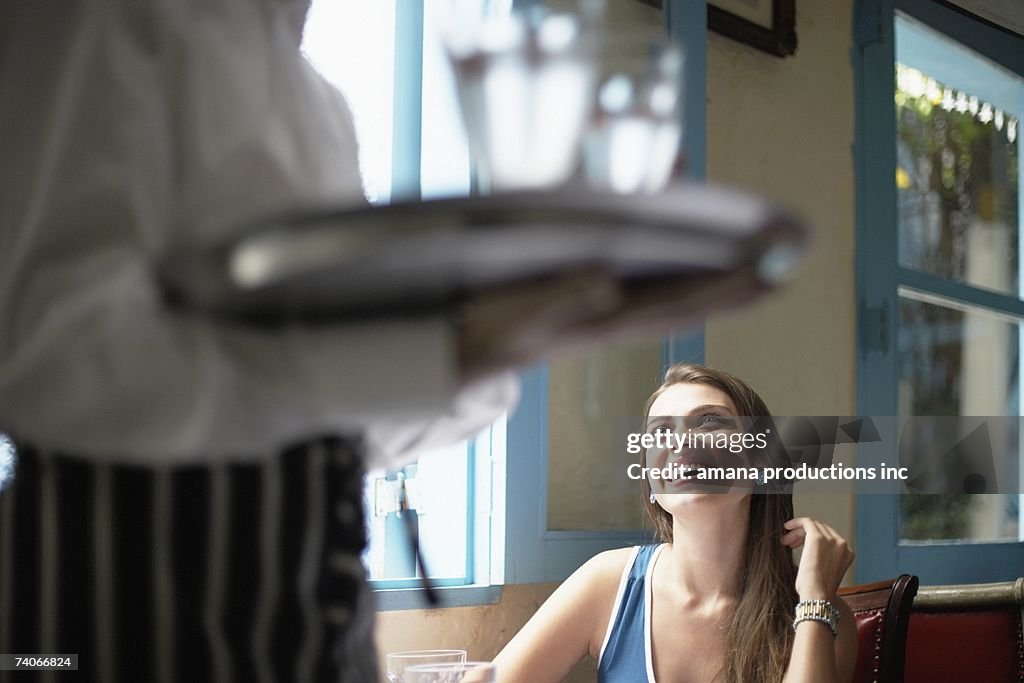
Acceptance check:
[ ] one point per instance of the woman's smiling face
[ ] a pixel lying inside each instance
(693, 409)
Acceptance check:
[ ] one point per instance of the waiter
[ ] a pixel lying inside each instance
(186, 503)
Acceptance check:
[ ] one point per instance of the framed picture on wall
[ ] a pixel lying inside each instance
(768, 25)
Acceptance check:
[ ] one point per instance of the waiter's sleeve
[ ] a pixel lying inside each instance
(125, 126)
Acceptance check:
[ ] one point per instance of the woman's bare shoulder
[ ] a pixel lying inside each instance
(596, 585)
(570, 624)
(604, 570)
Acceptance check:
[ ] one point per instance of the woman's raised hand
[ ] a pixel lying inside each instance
(825, 558)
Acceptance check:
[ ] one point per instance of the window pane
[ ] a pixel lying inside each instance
(443, 510)
(959, 360)
(438, 489)
(6, 460)
(352, 45)
(595, 398)
(444, 160)
(957, 161)
(592, 398)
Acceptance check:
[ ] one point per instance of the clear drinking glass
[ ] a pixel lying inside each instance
(543, 93)
(633, 137)
(526, 83)
(399, 662)
(466, 672)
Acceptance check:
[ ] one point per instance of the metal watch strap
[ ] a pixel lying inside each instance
(817, 610)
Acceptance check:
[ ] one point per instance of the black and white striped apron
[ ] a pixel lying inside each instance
(235, 572)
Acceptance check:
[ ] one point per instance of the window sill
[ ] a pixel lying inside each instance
(394, 599)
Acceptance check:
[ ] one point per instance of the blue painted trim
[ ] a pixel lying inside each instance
(876, 262)
(407, 140)
(684, 347)
(686, 22)
(564, 556)
(998, 45)
(587, 535)
(471, 545)
(533, 554)
(880, 553)
(919, 47)
(414, 582)
(463, 596)
(963, 563)
(951, 289)
(526, 473)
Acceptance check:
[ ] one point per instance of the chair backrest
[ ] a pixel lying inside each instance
(882, 611)
(968, 632)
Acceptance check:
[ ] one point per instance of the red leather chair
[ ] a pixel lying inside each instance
(967, 633)
(882, 611)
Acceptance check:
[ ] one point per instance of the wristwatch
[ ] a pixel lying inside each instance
(817, 610)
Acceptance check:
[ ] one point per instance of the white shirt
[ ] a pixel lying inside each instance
(126, 124)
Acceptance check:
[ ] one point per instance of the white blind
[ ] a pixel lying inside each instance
(1007, 13)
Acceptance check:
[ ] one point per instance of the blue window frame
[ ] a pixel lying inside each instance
(892, 286)
(415, 109)
(535, 553)
(532, 552)
(686, 22)
(385, 90)
(466, 558)
(510, 543)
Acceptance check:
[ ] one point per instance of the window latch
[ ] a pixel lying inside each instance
(395, 495)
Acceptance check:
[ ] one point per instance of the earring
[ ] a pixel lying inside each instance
(653, 499)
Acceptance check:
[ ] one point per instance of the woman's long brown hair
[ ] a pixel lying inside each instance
(759, 635)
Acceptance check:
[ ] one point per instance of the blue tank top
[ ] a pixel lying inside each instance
(626, 654)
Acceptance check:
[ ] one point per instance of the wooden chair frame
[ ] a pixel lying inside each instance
(895, 597)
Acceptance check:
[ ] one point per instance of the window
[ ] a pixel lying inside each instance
(940, 96)
(412, 145)
(334, 34)
(387, 61)
(548, 536)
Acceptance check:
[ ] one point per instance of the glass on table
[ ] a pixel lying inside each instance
(399, 662)
(466, 672)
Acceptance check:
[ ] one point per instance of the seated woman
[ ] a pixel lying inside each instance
(721, 598)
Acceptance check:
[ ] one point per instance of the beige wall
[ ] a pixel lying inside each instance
(785, 128)
(782, 127)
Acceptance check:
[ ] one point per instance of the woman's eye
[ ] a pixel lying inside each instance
(712, 420)
(660, 429)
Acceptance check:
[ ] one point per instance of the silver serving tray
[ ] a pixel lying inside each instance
(330, 264)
